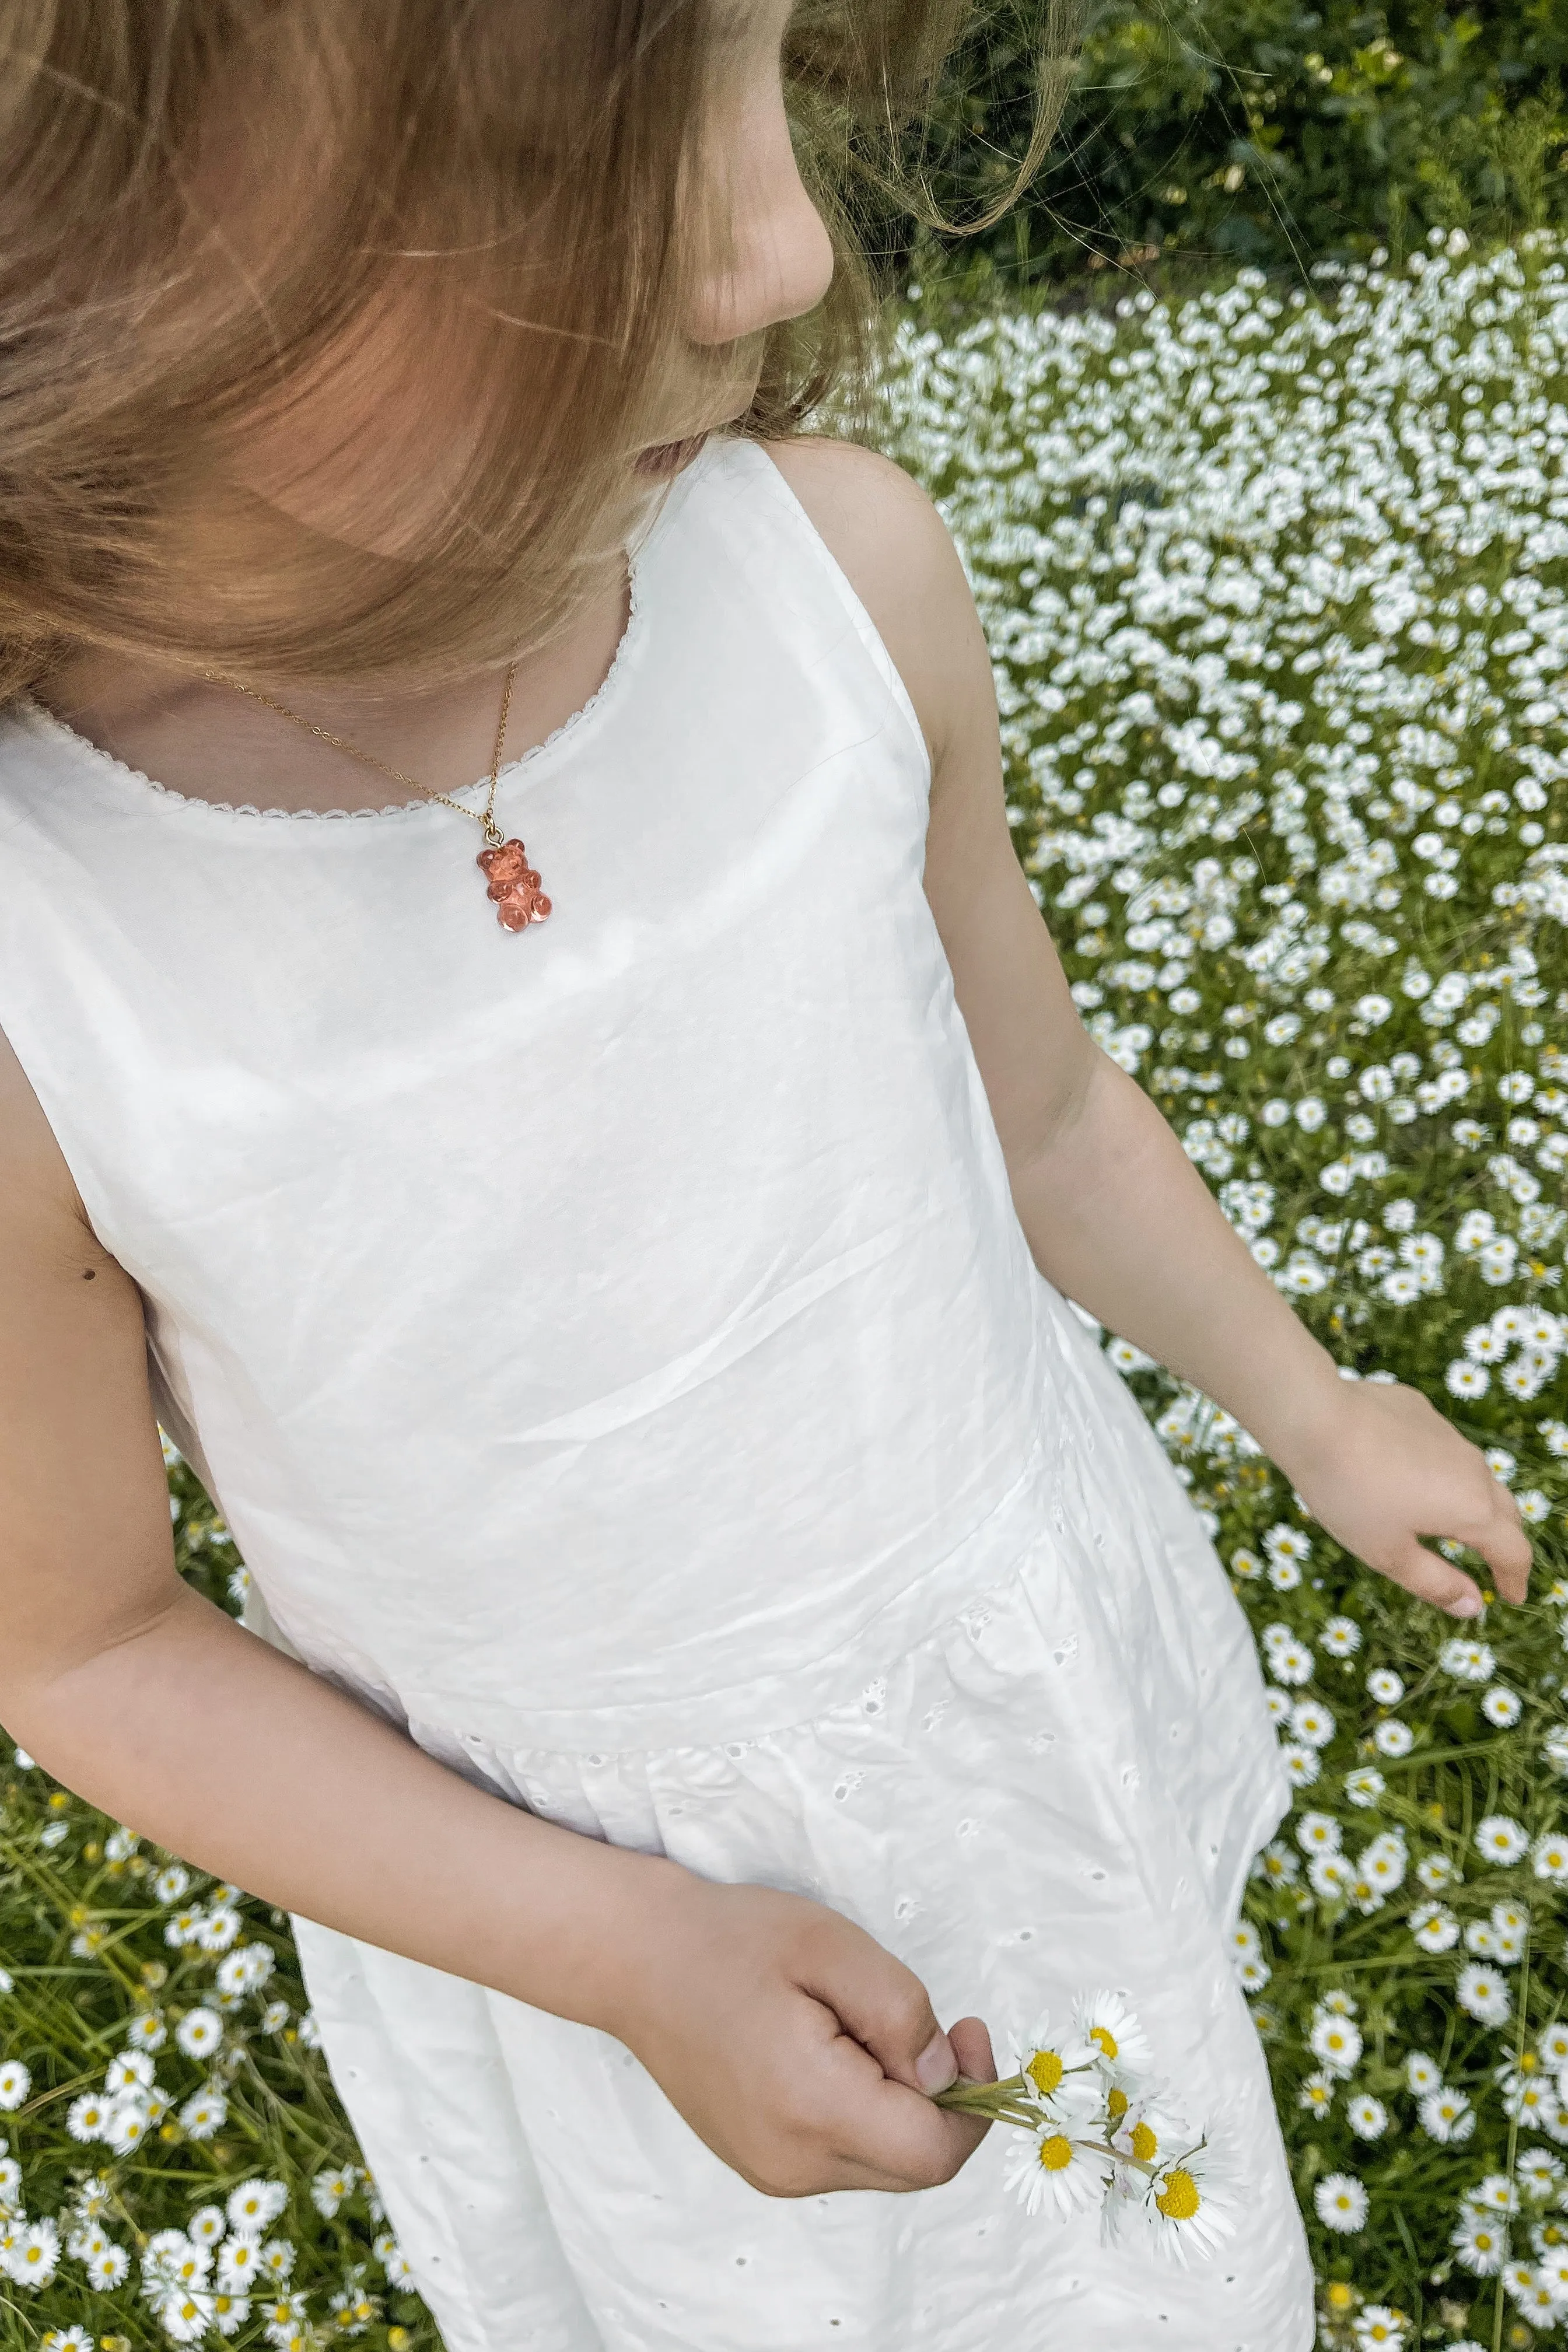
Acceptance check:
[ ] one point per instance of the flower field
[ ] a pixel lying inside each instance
(1277, 586)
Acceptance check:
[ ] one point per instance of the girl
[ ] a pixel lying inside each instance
(720, 1615)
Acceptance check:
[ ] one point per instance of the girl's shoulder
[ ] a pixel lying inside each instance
(894, 549)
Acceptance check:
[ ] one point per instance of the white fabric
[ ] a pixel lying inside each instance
(618, 1357)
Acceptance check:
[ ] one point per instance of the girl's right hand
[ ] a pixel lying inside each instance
(799, 2050)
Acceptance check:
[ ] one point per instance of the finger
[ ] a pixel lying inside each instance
(1431, 1577)
(894, 2133)
(972, 2048)
(884, 2005)
(1505, 1547)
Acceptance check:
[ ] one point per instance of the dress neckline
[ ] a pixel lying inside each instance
(604, 694)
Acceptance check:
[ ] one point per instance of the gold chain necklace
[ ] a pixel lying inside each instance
(512, 882)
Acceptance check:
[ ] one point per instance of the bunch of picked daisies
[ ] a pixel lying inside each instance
(1102, 2131)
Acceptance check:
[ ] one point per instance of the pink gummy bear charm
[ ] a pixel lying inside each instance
(514, 884)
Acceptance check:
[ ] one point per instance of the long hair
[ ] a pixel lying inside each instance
(466, 229)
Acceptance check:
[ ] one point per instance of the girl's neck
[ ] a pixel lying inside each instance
(211, 743)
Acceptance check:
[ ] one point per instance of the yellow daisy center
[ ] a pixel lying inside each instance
(1144, 2143)
(1045, 2071)
(1116, 2101)
(1056, 2153)
(1340, 2296)
(1106, 2039)
(1179, 2200)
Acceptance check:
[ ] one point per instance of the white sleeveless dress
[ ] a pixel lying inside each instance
(617, 1353)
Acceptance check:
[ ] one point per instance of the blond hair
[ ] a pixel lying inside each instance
(513, 174)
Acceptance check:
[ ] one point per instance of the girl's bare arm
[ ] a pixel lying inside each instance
(790, 2040)
(1115, 1214)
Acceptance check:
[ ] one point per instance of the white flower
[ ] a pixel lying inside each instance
(1364, 1785)
(1393, 1738)
(1483, 1993)
(1502, 1706)
(1434, 1926)
(14, 2083)
(1367, 2117)
(1436, 1870)
(1341, 1637)
(1303, 1764)
(1340, 2202)
(1337, 2043)
(1310, 1721)
(1318, 1833)
(1495, 2194)
(1446, 2115)
(1552, 2046)
(1057, 2171)
(254, 2205)
(1480, 2240)
(1502, 1840)
(1104, 2021)
(1378, 2329)
(87, 2117)
(1190, 2208)
(1465, 1379)
(199, 2032)
(1422, 2074)
(204, 2115)
(1292, 1662)
(1467, 1661)
(1538, 2171)
(1385, 1685)
(1316, 2095)
(1549, 1858)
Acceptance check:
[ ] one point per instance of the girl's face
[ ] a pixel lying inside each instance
(357, 462)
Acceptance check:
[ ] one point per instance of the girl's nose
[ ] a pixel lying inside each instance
(772, 256)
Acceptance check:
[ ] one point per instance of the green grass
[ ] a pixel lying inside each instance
(1278, 592)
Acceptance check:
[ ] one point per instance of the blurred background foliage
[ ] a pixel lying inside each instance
(1203, 133)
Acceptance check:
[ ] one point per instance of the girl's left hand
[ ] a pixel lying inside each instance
(1381, 1469)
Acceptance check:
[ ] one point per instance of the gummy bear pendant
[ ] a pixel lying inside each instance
(514, 885)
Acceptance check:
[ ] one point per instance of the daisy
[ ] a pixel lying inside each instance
(1341, 1637)
(1479, 2242)
(1340, 2202)
(1191, 2208)
(206, 2225)
(1502, 1706)
(185, 2315)
(1467, 1661)
(1386, 1686)
(1422, 2074)
(1552, 2045)
(1549, 1859)
(14, 2083)
(1483, 1994)
(256, 2204)
(1336, 2044)
(199, 2032)
(1318, 1833)
(1303, 1764)
(1502, 1840)
(1367, 2117)
(1310, 1721)
(87, 2116)
(1057, 2172)
(1434, 1926)
(1538, 2171)
(205, 2114)
(106, 2266)
(1394, 1737)
(33, 2254)
(1316, 2094)
(239, 2262)
(1364, 1786)
(1376, 2325)
(1105, 2020)
(1446, 2116)
(1436, 1870)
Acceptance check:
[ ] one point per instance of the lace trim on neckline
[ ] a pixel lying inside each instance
(49, 723)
